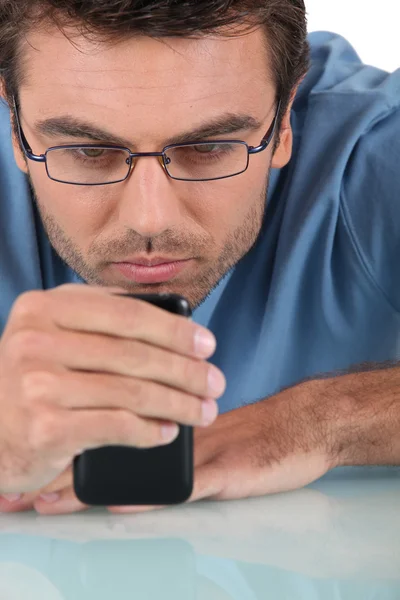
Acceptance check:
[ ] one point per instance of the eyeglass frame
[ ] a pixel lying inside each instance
(42, 158)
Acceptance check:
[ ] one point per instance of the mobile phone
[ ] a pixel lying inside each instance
(127, 476)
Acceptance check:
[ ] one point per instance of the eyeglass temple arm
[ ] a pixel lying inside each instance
(252, 150)
(269, 135)
(24, 142)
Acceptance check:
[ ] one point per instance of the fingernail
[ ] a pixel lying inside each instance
(12, 497)
(210, 411)
(216, 381)
(205, 343)
(169, 432)
(50, 498)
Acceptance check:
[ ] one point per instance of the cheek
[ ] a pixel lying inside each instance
(224, 204)
(217, 208)
(79, 211)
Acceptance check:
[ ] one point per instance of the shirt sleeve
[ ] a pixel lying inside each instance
(370, 197)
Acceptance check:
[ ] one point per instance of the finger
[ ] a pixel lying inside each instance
(88, 430)
(124, 510)
(63, 481)
(83, 308)
(63, 501)
(23, 504)
(26, 501)
(207, 483)
(130, 358)
(144, 398)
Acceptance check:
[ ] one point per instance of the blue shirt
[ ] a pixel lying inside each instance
(320, 291)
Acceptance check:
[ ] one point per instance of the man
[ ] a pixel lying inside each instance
(301, 285)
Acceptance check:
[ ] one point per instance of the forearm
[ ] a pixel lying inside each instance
(360, 416)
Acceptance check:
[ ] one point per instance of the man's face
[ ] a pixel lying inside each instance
(148, 93)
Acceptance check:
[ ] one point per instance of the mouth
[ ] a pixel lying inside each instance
(158, 272)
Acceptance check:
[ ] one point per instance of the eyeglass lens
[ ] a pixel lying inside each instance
(197, 162)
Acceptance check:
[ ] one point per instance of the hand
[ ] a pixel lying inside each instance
(276, 445)
(81, 368)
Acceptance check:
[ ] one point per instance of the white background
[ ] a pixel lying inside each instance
(372, 27)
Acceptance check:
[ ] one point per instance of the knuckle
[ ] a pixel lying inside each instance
(136, 355)
(45, 431)
(195, 374)
(197, 410)
(182, 331)
(172, 403)
(185, 367)
(130, 430)
(38, 386)
(66, 287)
(27, 306)
(25, 344)
(182, 407)
(139, 396)
(140, 433)
(135, 315)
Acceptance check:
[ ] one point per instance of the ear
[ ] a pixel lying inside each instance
(19, 156)
(283, 152)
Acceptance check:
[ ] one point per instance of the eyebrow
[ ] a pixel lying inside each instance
(71, 127)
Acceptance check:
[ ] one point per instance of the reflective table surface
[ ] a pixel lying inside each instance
(339, 538)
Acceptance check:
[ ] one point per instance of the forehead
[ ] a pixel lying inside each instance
(143, 77)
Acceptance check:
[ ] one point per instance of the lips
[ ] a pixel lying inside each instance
(155, 262)
(151, 271)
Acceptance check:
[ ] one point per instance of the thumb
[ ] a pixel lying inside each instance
(64, 480)
(207, 483)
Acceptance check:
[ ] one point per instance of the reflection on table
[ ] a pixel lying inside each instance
(339, 538)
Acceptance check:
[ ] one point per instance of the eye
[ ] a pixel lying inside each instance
(207, 148)
(92, 152)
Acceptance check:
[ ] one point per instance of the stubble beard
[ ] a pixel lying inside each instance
(237, 245)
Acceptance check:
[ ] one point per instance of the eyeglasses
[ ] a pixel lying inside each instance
(99, 164)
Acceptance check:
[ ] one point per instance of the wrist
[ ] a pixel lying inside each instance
(320, 421)
(360, 416)
(335, 415)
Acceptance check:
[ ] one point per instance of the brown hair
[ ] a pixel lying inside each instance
(284, 20)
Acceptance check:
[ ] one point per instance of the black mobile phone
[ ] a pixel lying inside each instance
(121, 476)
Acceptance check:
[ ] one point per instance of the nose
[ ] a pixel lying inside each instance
(150, 204)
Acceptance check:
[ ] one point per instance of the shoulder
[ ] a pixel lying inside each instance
(337, 69)
(347, 120)
(341, 100)
(339, 87)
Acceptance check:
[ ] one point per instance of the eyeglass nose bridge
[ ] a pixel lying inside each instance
(163, 159)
